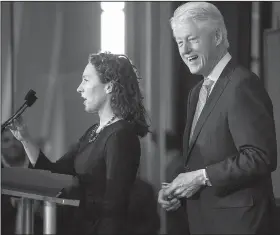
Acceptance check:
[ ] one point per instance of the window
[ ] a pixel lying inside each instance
(112, 27)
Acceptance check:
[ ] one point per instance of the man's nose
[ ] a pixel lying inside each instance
(187, 48)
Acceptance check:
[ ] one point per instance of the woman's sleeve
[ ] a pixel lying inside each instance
(65, 165)
(122, 160)
(62, 166)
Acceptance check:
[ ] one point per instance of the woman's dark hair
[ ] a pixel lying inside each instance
(126, 99)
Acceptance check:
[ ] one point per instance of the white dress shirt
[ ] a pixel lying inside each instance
(218, 69)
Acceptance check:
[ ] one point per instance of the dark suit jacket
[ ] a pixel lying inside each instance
(235, 141)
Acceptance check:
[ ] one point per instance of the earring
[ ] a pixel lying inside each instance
(108, 89)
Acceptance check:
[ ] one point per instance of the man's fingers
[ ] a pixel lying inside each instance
(170, 189)
(167, 203)
(174, 200)
(179, 191)
(162, 199)
(189, 192)
(184, 194)
(165, 185)
(165, 207)
(163, 202)
(174, 206)
(170, 204)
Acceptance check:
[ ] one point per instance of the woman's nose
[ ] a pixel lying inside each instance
(79, 89)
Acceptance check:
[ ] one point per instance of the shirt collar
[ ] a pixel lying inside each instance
(218, 69)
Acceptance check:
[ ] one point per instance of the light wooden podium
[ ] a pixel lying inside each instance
(31, 184)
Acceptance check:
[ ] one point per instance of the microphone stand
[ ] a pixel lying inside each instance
(30, 98)
(16, 115)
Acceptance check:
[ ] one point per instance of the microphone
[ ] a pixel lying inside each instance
(30, 99)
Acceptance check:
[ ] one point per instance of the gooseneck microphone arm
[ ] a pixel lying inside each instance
(30, 99)
(13, 117)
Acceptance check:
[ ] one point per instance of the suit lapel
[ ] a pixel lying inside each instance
(190, 114)
(211, 102)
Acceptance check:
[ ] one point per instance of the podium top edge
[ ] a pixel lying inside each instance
(62, 201)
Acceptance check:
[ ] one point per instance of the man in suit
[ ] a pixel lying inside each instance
(229, 139)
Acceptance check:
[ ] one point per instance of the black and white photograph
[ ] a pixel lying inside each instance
(140, 117)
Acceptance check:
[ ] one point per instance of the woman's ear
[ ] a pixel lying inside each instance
(108, 87)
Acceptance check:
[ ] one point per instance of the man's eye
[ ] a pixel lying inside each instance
(180, 43)
(193, 39)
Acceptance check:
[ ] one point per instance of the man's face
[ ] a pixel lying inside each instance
(197, 47)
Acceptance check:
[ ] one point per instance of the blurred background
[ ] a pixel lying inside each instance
(45, 46)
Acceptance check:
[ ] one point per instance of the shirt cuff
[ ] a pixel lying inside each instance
(206, 178)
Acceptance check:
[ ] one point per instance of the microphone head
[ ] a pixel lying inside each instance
(30, 98)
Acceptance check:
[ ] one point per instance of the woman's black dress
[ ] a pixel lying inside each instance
(105, 171)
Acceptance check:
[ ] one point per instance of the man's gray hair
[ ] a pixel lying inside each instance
(202, 13)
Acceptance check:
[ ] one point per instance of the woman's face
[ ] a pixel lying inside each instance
(92, 90)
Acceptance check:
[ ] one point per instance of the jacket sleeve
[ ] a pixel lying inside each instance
(251, 123)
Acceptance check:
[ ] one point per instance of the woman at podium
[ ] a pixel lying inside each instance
(105, 159)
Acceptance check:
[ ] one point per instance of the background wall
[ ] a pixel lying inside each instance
(51, 45)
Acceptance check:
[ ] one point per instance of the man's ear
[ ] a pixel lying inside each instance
(108, 87)
(218, 37)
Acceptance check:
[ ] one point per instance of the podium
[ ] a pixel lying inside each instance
(41, 185)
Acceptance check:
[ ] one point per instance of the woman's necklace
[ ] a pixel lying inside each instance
(94, 134)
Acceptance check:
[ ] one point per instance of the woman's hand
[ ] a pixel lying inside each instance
(19, 129)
